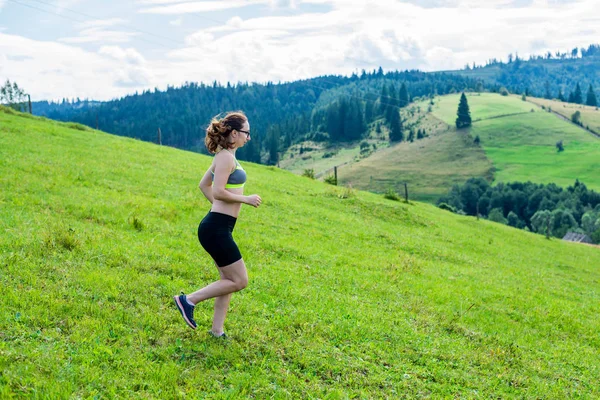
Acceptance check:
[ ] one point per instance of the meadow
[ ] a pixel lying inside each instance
(590, 116)
(522, 146)
(482, 106)
(428, 166)
(351, 295)
(321, 157)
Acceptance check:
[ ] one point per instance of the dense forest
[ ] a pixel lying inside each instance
(568, 76)
(331, 108)
(546, 209)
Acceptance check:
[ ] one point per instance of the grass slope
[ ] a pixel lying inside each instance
(429, 166)
(350, 295)
(481, 105)
(590, 116)
(522, 146)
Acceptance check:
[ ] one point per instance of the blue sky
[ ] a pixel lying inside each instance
(107, 49)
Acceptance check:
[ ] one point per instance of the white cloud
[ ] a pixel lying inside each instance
(283, 3)
(235, 22)
(272, 44)
(2, 3)
(98, 31)
(101, 23)
(129, 55)
(176, 22)
(50, 70)
(200, 6)
(100, 35)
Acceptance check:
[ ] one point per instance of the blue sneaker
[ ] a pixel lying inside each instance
(187, 311)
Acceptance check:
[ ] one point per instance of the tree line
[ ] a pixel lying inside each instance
(334, 108)
(13, 96)
(546, 209)
(551, 75)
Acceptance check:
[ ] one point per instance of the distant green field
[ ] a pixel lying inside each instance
(590, 116)
(350, 295)
(523, 148)
(482, 106)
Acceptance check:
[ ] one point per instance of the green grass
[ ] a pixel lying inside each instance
(590, 116)
(337, 154)
(429, 166)
(523, 148)
(481, 105)
(350, 295)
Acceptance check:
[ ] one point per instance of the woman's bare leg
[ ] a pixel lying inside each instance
(221, 307)
(234, 277)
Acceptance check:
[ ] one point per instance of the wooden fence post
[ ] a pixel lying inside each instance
(159, 137)
(29, 97)
(405, 192)
(335, 173)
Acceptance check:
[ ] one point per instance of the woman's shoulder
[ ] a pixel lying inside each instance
(224, 156)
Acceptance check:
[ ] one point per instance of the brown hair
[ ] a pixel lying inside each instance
(218, 130)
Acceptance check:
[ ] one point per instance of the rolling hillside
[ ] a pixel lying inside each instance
(350, 296)
(522, 147)
(518, 141)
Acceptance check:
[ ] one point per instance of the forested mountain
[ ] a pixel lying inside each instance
(326, 108)
(332, 108)
(552, 75)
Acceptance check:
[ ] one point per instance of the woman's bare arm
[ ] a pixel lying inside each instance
(206, 185)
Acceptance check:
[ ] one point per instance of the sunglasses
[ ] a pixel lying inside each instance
(246, 132)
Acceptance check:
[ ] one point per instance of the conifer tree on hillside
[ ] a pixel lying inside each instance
(396, 134)
(547, 93)
(383, 99)
(404, 98)
(591, 98)
(463, 119)
(561, 96)
(577, 95)
(273, 136)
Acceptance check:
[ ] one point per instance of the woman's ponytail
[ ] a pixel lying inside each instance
(218, 131)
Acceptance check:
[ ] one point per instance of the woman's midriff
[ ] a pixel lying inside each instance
(223, 207)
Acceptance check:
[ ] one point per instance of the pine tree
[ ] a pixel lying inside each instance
(396, 134)
(561, 96)
(384, 99)
(578, 96)
(591, 98)
(571, 98)
(273, 140)
(404, 98)
(547, 94)
(463, 119)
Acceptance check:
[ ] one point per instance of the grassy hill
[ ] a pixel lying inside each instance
(350, 295)
(590, 116)
(522, 147)
(518, 141)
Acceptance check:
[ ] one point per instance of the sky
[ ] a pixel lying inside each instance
(107, 49)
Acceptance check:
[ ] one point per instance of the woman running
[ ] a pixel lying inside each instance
(223, 185)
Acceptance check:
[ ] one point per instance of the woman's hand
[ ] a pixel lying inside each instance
(253, 200)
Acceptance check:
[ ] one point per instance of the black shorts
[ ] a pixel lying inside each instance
(215, 235)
